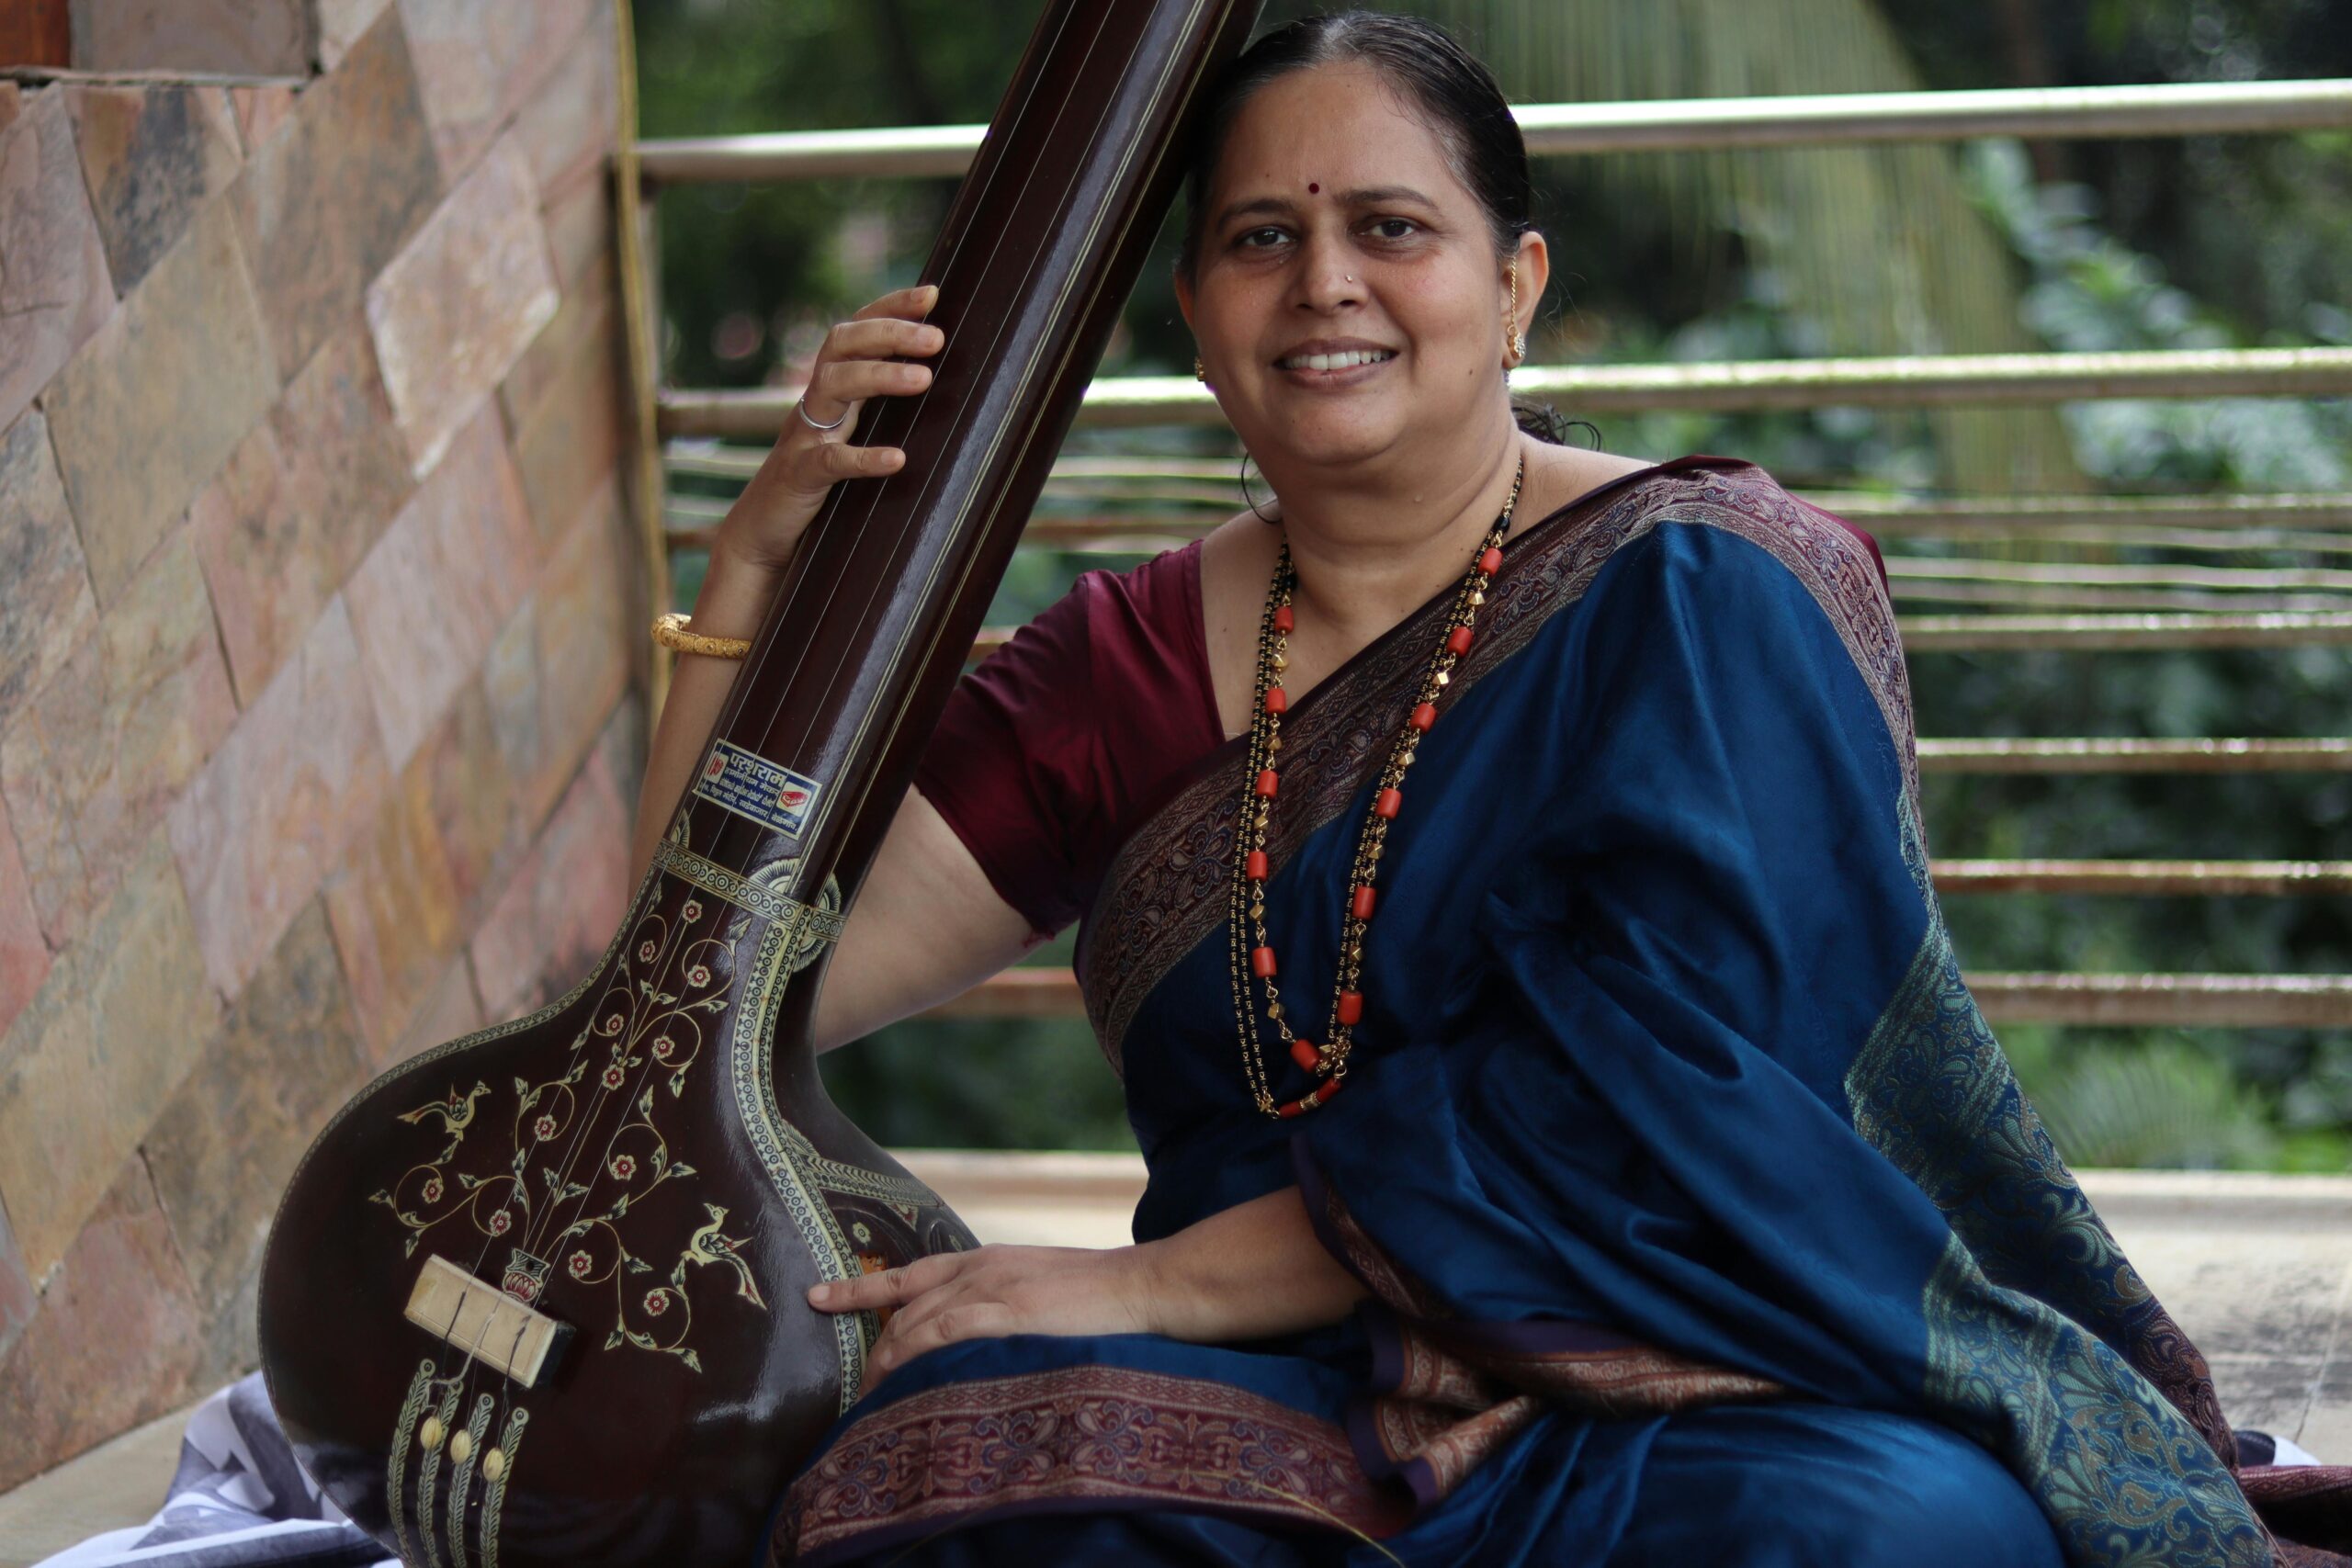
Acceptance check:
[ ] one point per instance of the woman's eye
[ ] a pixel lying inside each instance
(1394, 228)
(1251, 238)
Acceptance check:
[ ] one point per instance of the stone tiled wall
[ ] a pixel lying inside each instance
(320, 630)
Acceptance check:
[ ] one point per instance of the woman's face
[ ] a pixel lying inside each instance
(1333, 225)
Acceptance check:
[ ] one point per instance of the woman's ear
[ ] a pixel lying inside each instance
(1534, 263)
(1183, 294)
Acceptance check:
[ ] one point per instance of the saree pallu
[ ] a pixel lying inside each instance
(1701, 1215)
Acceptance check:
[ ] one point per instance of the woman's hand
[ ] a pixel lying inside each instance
(1242, 1273)
(855, 362)
(995, 1291)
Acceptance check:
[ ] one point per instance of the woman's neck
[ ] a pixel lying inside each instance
(1367, 559)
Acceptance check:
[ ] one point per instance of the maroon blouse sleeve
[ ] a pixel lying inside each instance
(1008, 765)
(1049, 749)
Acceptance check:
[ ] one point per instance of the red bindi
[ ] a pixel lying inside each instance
(1312, 188)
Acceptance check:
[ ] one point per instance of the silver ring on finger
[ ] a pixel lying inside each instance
(803, 406)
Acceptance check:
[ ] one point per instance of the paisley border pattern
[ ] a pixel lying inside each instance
(2084, 1432)
(1080, 1436)
(1165, 889)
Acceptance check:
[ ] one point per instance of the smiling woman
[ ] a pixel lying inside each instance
(1501, 891)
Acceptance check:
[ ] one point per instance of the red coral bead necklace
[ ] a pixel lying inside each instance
(1254, 953)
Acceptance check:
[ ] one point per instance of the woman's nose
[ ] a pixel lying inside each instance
(1326, 274)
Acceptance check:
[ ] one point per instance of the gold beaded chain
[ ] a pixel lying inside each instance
(1252, 955)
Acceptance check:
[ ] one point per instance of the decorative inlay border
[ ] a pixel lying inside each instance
(786, 1155)
(715, 879)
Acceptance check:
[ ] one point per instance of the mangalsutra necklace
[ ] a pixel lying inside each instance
(1253, 954)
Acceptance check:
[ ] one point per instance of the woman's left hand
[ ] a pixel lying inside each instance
(994, 1291)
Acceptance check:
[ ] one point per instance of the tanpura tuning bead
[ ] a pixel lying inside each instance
(1391, 800)
(1303, 1052)
(493, 1464)
(461, 1445)
(428, 1437)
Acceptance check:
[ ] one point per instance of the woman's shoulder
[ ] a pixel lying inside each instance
(1700, 502)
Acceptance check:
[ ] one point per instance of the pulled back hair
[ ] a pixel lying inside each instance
(1455, 95)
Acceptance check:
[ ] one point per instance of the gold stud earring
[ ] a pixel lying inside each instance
(1200, 371)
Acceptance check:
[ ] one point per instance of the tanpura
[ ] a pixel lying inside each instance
(534, 1297)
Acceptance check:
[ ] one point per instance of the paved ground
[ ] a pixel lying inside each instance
(2257, 1268)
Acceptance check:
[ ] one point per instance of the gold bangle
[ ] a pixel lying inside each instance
(671, 631)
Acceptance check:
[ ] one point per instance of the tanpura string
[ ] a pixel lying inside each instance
(873, 500)
(571, 1161)
(540, 1227)
(879, 583)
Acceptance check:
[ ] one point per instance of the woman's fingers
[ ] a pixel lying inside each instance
(890, 1287)
(966, 1320)
(855, 380)
(912, 303)
(860, 359)
(875, 338)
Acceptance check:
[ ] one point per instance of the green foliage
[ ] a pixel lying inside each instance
(2092, 292)
(2162, 1101)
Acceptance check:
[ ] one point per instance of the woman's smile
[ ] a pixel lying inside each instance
(1328, 364)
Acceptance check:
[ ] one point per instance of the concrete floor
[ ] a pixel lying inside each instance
(2256, 1268)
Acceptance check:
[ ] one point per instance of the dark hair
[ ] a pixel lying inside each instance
(1457, 99)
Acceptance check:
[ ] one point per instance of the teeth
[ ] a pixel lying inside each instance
(1338, 361)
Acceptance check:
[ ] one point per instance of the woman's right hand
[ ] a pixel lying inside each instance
(854, 363)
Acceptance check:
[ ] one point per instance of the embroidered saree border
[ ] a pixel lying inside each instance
(1086, 1436)
(1445, 1391)
(1165, 888)
(2084, 1431)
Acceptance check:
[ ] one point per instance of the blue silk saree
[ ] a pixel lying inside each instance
(1702, 1218)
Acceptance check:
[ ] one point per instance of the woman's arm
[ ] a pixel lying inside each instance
(927, 926)
(1251, 1270)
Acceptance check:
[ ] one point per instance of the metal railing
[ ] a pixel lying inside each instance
(1915, 381)
(1669, 125)
(1130, 503)
(2240, 1001)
